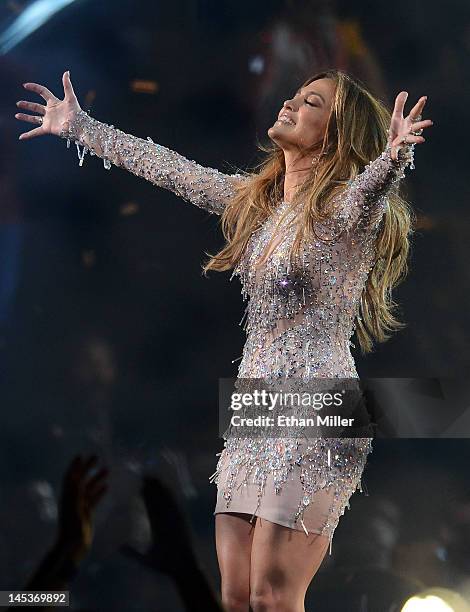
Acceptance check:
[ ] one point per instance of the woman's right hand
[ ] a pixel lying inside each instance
(55, 114)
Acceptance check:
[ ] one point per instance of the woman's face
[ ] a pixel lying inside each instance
(302, 120)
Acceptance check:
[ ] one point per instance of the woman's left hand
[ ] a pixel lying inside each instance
(407, 130)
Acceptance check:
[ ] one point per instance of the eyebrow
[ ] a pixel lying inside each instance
(312, 93)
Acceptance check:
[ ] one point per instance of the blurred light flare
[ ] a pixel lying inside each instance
(430, 603)
(128, 209)
(436, 600)
(144, 86)
(31, 19)
(43, 492)
(88, 258)
(90, 97)
(425, 222)
(256, 64)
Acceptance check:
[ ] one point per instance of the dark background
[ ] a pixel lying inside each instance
(112, 340)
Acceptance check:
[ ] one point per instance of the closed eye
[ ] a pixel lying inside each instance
(310, 103)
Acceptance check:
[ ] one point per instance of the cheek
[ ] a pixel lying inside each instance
(311, 128)
(312, 123)
(317, 123)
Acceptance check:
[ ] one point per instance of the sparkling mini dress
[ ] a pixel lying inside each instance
(300, 317)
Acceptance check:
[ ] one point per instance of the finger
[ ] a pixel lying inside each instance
(74, 468)
(81, 467)
(400, 102)
(32, 133)
(97, 479)
(410, 139)
(94, 497)
(73, 479)
(415, 139)
(29, 118)
(41, 90)
(89, 463)
(32, 106)
(420, 125)
(67, 83)
(418, 108)
(394, 151)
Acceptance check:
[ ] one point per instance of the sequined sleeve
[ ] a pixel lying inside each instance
(207, 188)
(364, 201)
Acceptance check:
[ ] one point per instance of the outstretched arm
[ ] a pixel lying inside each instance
(364, 201)
(205, 187)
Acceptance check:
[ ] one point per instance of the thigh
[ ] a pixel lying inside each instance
(284, 560)
(233, 537)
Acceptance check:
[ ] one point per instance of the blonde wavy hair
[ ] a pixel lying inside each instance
(357, 132)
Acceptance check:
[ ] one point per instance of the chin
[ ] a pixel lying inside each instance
(272, 133)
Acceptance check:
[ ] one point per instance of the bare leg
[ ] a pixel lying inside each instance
(234, 535)
(283, 563)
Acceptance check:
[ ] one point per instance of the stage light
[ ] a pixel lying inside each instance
(88, 258)
(30, 19)
(256, 64)
(144, 86)
(436, 600)
(430, 603)
(128, 209)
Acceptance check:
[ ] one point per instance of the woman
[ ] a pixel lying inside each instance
(318, 237)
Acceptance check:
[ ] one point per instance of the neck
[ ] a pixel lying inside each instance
(297, 172)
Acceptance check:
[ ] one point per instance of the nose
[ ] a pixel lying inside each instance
(288, 104)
